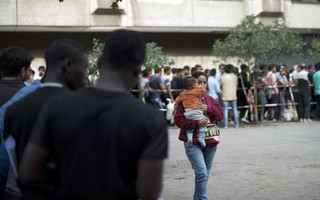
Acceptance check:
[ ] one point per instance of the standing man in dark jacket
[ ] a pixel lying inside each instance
(244, 85)
(14, 66)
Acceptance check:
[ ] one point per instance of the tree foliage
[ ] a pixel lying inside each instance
(115, 5)
(94, 55)
(314, 51)
(155, 57)
(251, 40)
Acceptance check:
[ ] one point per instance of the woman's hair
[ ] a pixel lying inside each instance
(188, 82)
(197, 74)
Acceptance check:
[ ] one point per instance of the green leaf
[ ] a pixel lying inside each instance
(114, 5)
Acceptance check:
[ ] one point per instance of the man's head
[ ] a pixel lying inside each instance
(235, 70)
(213, 72)
(229, 68)
(302, 66)
(30, 73)
(222, 68)
(174, 71)
(157, 71)
(311, 68)
(180, 72)
(146, 72)
(41, 70)
(67, 60)
(15, 63)
(167, 70)
(244, 68)
(273, 68)
(282, 70)
(198, 68)
(193, 70)
(124, 52)
(207, 71)
(189, 83)
(186, 70)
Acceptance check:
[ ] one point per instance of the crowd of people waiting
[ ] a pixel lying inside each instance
(63, 139)
(278, 86)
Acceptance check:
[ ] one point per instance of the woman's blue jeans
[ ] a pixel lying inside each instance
(201, 160)
(234, 108)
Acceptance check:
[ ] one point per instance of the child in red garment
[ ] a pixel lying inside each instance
(190, 99)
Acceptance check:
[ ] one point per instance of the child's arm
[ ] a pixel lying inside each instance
(198, 91)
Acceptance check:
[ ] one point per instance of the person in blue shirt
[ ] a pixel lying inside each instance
(214, 89)
(156, 84)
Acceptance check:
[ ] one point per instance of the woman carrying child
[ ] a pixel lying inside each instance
(200, 156)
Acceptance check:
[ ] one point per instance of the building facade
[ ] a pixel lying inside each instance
(186, 29)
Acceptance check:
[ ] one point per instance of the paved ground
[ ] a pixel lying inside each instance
(279, 161)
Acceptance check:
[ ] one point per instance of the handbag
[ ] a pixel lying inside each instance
(212, 135)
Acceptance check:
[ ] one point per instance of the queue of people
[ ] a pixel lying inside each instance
(234, 90)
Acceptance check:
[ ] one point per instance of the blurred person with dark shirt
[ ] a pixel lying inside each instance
(66, 62)
(177, 83)
(113, 144)
(14, 66)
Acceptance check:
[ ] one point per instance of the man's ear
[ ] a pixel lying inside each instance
(66, 65)
(23, 73)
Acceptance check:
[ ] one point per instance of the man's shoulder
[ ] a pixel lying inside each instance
(302, 74)
(316, 75)
(33, 100)
(134, 104)
(234, 76)
(155, 78)
(224, 77)
(228, 76)
(269, 74)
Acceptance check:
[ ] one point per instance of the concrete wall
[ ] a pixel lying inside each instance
(303, 16)
(149, 15)
(185, 28)
(184, 48)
